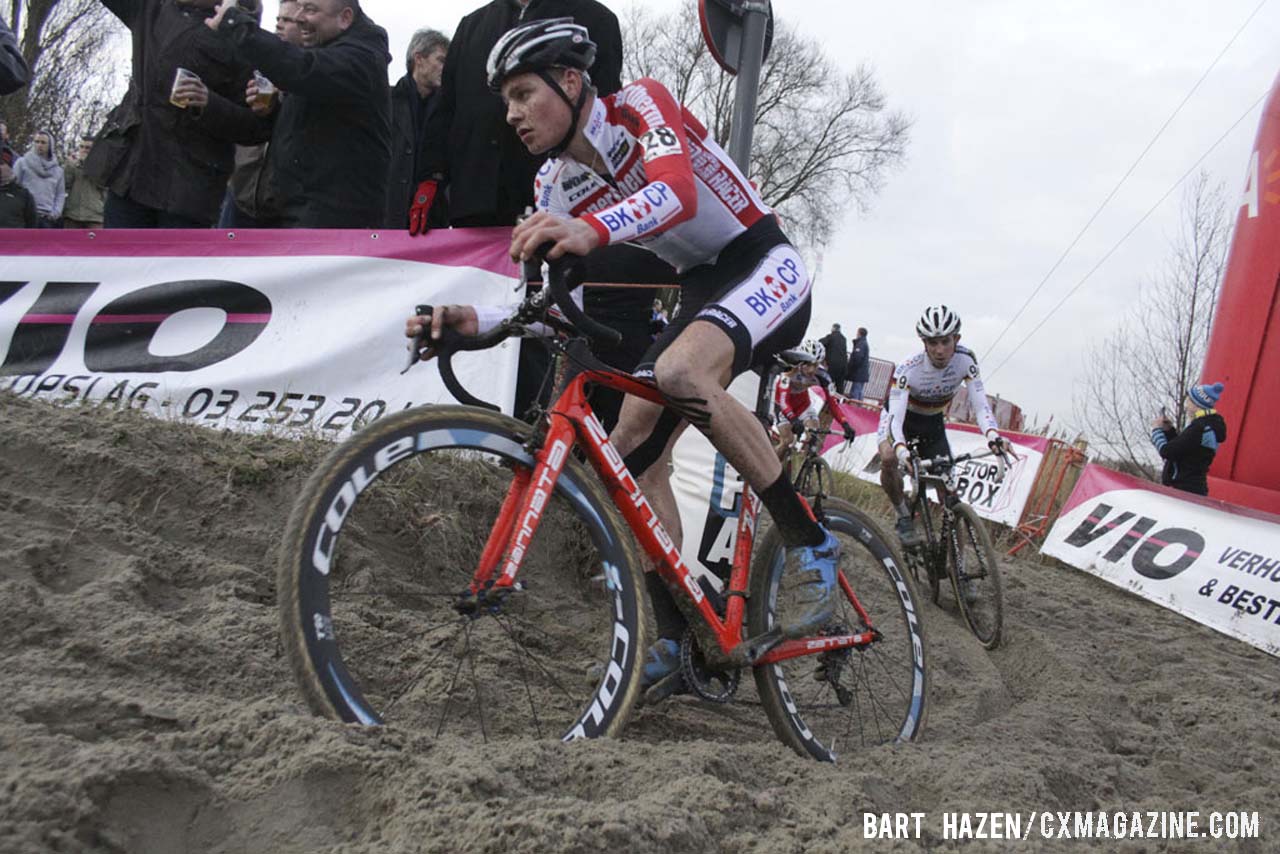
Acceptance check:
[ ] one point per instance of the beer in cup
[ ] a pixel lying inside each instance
(181, 75)
(267, 91)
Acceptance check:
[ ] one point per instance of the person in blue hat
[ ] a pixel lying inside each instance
(1188, 455)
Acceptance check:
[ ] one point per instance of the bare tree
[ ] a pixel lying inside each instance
(823, 138)
(1149, 362)
(71, 47)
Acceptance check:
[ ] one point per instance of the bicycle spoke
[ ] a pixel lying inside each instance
(448, 696)
(524, 677)
(471, 665)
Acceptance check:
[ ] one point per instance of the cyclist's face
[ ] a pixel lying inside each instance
(941, 349)
(538, 115)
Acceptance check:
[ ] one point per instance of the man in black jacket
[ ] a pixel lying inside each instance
(17, 207)
(1188, 455)
(837, 356)
(166, 166)
(470, 147)
(331, 138)
(413, 101)
(14, 72)
(859, 364)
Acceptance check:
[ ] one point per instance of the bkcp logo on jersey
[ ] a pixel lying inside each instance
(638, 210)
(776, 289)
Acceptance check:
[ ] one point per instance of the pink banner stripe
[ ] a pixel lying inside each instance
(161, 318)
(65, 319)
(482, 248)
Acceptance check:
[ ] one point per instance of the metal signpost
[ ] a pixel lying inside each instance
(739, 34)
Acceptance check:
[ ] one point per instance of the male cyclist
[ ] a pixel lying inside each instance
(922, 387)
(636, 167)
(801, 397)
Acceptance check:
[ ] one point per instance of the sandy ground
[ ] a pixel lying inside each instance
(147, 707)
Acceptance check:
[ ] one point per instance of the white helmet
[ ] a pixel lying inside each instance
(813, 347)
(937, 320)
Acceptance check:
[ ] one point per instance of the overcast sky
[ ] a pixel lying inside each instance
(1026, 116)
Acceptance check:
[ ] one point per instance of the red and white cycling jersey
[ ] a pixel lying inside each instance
(669, 188)
(795, 399)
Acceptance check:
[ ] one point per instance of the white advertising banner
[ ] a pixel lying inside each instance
(1214, 562)
(999, 501)
(287, 330)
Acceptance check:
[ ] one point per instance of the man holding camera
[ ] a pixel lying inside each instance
(331, 136)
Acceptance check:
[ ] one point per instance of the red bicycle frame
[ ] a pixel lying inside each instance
(572, 422)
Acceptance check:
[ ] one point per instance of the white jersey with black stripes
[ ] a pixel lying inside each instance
(921, 387)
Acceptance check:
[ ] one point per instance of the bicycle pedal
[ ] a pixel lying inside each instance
(668, 686)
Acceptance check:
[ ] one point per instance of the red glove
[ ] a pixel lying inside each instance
(421, 206)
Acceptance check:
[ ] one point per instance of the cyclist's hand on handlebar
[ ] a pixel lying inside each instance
(904, 457)
(568, 236)
(461, 318)
(849, 434)
(999, 445)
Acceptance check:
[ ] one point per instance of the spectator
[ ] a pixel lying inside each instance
(413, 101)
(39, 172)
(470, 148)
(7, 154)
(1188, 455)
(85, 199)
(14, 73)
(331, 139)
(837, 356)
(17, 207)
(164, 165)
(658, 320)
(250, 201)
(859, 364)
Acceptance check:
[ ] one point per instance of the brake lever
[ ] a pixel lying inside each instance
(420, 340)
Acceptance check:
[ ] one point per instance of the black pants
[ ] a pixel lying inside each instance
(123, 212)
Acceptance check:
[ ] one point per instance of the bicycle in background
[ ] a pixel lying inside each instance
(956, 545)
(452, 568)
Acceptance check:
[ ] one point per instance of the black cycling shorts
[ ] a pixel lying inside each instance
(757, 291)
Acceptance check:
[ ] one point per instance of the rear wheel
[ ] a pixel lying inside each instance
(388, 533)
(975, 576)
(851, 698)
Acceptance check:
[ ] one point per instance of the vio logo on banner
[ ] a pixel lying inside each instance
(1155, 552)
(120, 334)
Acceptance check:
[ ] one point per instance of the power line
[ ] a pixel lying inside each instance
(1135, 227)
(1124, 178)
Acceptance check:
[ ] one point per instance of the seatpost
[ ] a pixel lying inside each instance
(762, 393)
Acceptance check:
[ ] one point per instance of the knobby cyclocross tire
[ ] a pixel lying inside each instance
(972, 560)
(385, 536)
(818, 704)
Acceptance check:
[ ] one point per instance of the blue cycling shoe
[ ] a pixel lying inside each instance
(660, 676)
(816, 587)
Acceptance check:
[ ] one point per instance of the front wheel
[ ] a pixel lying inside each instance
(854, 697)
(388, 533)
(975, 575)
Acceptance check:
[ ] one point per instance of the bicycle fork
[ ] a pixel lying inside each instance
(527, 497)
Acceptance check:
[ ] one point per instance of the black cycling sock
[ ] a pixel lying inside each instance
(671, 623)
(794, 522)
